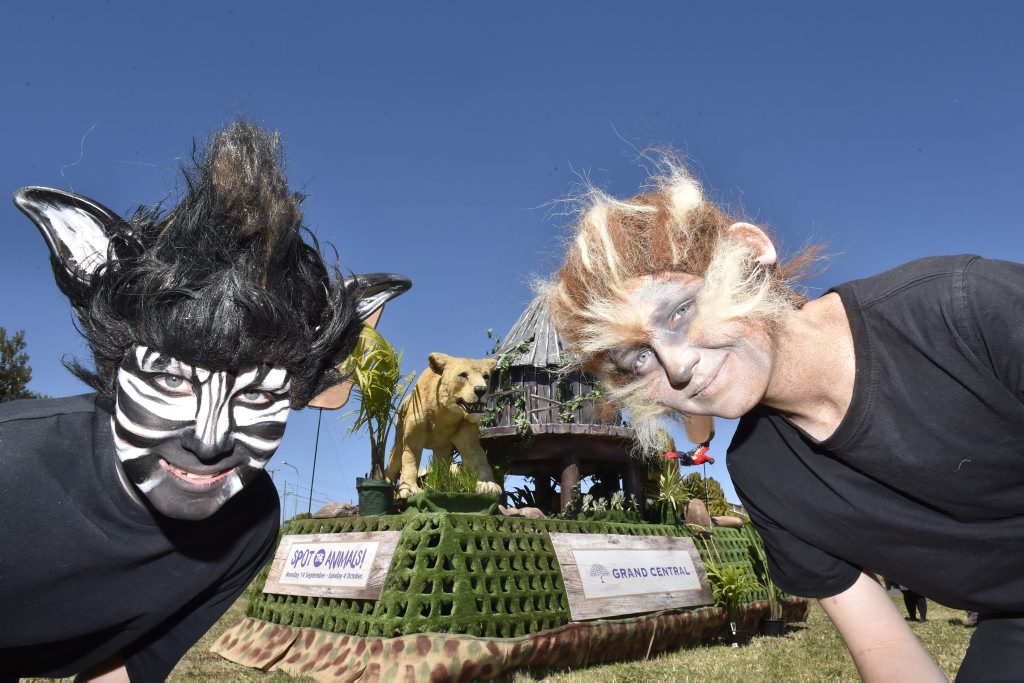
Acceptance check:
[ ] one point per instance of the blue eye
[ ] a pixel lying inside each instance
(255, 398)
(681, 311)
(640, 361)
(173, 384)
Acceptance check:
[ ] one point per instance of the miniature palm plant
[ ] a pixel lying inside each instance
(730, 583)
(764, 577)
(378, 384)
(672, 494)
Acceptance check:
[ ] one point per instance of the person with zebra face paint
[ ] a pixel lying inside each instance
(147, 502)
(189, 438)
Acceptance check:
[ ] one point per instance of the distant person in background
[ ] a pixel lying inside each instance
(882, 423)
(915, 604)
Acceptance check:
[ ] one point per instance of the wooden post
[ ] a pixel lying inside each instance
(570, 477)
(544, 493)
(632, 483)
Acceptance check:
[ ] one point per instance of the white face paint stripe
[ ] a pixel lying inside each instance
(257, 443)
(277, 380)
(246, 378)
(125, 451)
(151, 483)
(213, 419)
(248, 417)
(232, 486)
(176, 408)
(139, 430)
(148, 360)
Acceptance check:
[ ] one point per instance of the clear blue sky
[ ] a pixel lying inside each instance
(432, 137)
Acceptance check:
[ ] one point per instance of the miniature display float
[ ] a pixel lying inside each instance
(432, 594)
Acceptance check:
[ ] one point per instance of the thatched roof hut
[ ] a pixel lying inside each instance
(543, 421)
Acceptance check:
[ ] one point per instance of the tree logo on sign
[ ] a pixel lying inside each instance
(600, 571)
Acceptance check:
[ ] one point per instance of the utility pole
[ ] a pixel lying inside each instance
(295, 491)
(316, 447)
(284, 506)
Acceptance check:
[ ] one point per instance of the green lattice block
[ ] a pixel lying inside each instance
(471, 574)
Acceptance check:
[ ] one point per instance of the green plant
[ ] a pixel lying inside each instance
(672, 495)
(614, 509)
(522, 497)
(379, 386)
(15, 372)
(708, 490)
(571, 510)
(506, 394)
(764, 577)
(730, 582)
(519, 416)
(592, 505)
(444, 476)
(567, 409)
(505, 360)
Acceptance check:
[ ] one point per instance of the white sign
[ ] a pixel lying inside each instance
(342, 565)
(329, 564)
(612, 573)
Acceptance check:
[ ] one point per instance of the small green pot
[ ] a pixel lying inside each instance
(437, 501)
(375, 496)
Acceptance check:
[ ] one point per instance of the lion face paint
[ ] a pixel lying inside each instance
(188, 438)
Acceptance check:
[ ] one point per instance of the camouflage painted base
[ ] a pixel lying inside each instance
(467, 582)
(438, 657)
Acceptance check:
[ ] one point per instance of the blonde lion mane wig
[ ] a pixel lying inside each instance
(672, 228)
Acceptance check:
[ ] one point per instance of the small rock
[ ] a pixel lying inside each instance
(330, 510)
(697, 513)
(533, 513)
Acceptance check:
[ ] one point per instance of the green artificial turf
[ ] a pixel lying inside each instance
(471, 574)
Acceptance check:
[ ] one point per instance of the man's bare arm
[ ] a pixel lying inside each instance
(882, 645)
(110, 671)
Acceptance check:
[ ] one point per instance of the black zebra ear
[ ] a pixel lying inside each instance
(376, 289)
(76, 229)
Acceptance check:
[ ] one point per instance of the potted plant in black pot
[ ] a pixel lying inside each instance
(730, 584)
(379, 386)
(773, 624)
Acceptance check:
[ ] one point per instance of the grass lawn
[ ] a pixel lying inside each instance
(810, 652)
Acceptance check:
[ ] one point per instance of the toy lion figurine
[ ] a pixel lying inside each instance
(442, 413)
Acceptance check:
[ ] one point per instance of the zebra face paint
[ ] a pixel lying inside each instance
(189, 438)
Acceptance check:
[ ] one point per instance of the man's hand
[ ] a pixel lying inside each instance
(882, 645)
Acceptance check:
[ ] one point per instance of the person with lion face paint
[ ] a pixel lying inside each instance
(135, 516)
(881, 424)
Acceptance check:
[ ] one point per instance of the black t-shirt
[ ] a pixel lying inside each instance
(86, 572)
(923, 480)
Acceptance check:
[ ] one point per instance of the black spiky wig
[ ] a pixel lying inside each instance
(223, 280)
